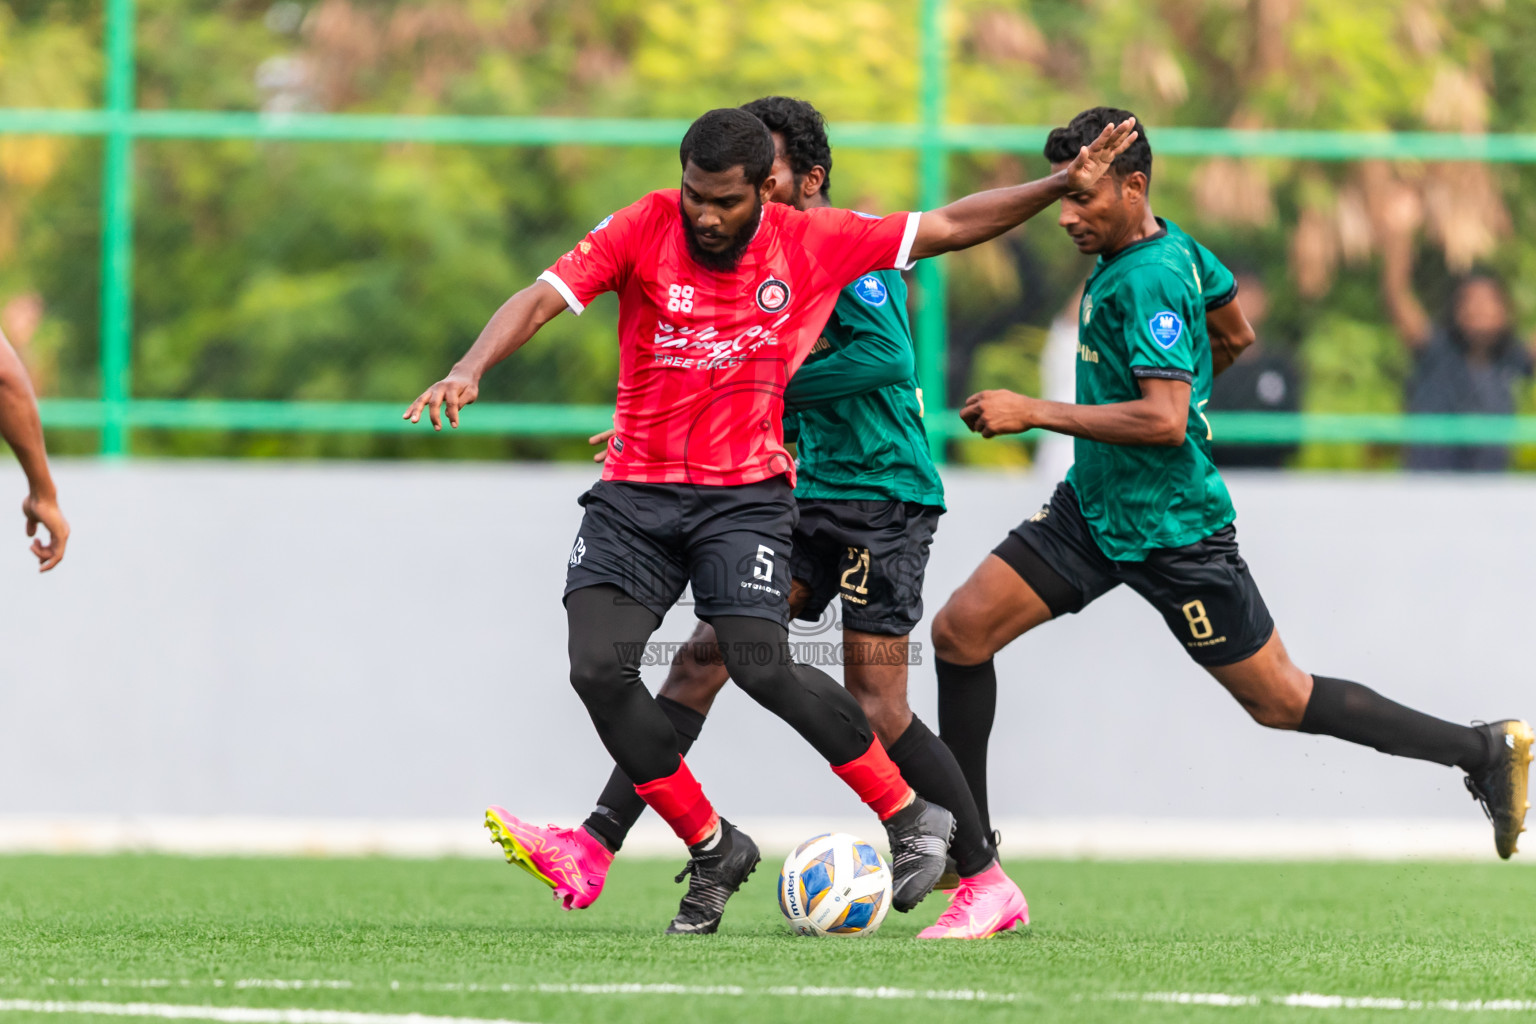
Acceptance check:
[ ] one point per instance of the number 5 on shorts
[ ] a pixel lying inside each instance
(763, 570)
(1199, 625)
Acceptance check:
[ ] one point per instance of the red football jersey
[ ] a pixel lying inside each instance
(704, 356)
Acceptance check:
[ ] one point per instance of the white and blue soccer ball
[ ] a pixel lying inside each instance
(835, 884)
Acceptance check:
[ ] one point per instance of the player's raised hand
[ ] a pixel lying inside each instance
(43, 510)
(990, 413)
(603, 440)
(450, 394)
(1095, 158)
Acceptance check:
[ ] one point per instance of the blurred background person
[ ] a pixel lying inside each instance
(1471, 362)
(1264, 379)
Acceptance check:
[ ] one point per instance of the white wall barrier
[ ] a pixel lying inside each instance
(376, 643)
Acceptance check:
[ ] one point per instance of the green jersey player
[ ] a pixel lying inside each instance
(1144, 506)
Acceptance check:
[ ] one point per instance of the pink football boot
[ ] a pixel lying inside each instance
(568, 860)
(984, 905)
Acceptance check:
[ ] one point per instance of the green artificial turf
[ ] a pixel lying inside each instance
(444, 937)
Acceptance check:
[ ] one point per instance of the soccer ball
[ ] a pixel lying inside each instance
(835, 884)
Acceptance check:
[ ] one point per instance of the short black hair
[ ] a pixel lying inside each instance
(804, 131)
(729, 137)
(1063, 144)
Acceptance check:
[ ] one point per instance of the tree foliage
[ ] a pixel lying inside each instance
(359, 271)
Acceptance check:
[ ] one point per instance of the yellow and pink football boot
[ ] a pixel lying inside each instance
(568, 860)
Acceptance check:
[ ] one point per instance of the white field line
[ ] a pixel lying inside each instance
(233, 1014)
(545, 988)
(249, 1015)
(238, 983)
(1315, 1001)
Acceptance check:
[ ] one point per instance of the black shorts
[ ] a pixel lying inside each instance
(1203, 590)
(651, 540)
(872, 554)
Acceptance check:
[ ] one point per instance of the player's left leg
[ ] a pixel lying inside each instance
(739, 571)
(1211, 603)
(760, 661)
(1495, 757)
(696, 676)
(873, 557)
(575, 861)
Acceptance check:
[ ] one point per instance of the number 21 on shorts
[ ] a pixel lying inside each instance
(1199, 624)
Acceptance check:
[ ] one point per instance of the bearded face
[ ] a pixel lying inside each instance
(715, 247)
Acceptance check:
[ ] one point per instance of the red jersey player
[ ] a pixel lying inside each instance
(721, 295)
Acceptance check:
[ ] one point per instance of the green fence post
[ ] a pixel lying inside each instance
(117, 231)
(933, 189)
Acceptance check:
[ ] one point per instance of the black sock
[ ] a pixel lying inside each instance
(967, 706)
(1359, 714)
(619, 806)
(930, 768)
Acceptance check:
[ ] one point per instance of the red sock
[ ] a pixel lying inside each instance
(681, 802)
(877, 780)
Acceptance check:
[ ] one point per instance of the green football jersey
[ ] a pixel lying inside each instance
(1142, 315)
(857, 403)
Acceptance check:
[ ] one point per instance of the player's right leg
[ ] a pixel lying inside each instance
(1046, 566)
(696, 676)
(607, 636)
(575, 861)
(607, 643)
(626, 569)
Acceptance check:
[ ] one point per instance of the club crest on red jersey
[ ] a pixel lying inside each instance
(772, 295)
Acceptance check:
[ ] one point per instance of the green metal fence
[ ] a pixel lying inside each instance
(120, 124)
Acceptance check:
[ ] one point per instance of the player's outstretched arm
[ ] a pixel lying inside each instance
(985, 215)
(518, 319)
(873, 360)
(1159, 417)
(1230, 334)
(23, 431)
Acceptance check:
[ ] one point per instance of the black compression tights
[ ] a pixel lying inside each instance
(757, 655)
(607, 639)
(608, 632)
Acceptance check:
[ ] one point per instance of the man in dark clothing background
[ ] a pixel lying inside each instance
(1472, 362)
(1263, 379)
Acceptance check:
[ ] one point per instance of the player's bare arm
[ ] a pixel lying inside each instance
(1159, 417)
(23, 431)
(518, 320)
(983, 216)
(1230, 334)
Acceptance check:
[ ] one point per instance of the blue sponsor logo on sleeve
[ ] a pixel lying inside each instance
(871, 289)
(1166, 328)
(603, 223)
